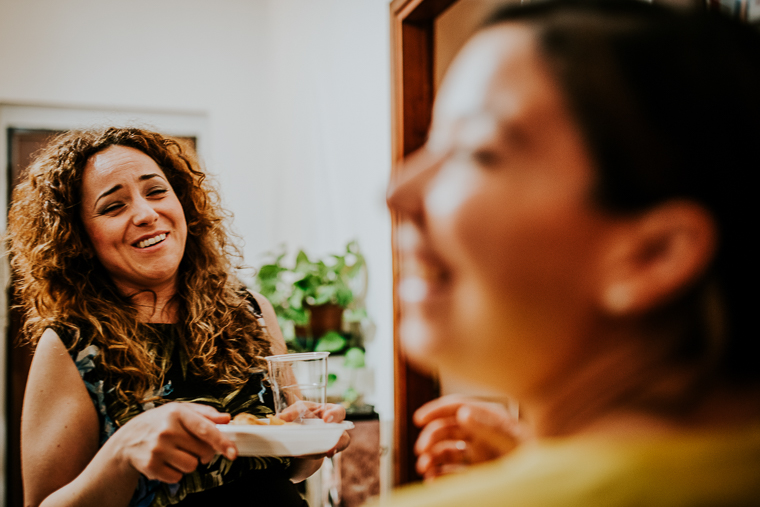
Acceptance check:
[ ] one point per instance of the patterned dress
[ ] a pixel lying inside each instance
(258, 481)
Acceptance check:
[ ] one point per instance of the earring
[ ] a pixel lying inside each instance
(618, 298)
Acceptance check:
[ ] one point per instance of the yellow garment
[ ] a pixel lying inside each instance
(704, 469)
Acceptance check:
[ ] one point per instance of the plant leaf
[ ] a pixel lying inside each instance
(331, 342)
(354, 358)
(297, 315)
(269, 271)
(350, 396)
(343, 296)
(355, 315)
(326, 294)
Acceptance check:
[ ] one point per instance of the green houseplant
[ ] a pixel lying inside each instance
(319, 306)
(313, 298)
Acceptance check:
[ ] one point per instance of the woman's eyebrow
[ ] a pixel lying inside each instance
(149, 176)
(107, 193)
(143, 177)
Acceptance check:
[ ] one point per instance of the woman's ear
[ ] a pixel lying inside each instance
(655, 256)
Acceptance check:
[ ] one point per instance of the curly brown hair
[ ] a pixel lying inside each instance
(60, 281)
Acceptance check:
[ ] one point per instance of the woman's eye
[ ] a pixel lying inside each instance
(111, 208)
(485, 158)
(157, 192)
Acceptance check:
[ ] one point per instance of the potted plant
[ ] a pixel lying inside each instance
(314, 298)
(319, 305)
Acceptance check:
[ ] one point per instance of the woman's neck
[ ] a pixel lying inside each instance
(162, 312)
(630, 389)
(157, 305)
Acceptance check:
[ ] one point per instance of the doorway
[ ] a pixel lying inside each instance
(425, 36)
(23, 144)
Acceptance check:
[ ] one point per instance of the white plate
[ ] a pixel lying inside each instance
(284, 440)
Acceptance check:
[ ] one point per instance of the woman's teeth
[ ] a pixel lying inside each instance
(151, 241)
(413, 289)
(420, 279)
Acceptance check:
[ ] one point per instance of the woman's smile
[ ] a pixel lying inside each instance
(151, 241)
(424, 276)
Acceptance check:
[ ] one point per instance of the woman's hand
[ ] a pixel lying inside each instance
(167, 442)
(459, 431)
(336, 414)
(305, 466)
(329, 413)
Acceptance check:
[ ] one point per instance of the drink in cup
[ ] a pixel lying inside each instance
(299, 383)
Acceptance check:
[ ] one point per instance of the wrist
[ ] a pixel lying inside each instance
(116, 456)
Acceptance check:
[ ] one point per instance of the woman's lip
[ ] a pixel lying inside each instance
(414, 289)
(148, 236)
(144, 238)
(424, 274)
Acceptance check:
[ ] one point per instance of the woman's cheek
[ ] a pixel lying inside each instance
(421, 340)
(450, 190)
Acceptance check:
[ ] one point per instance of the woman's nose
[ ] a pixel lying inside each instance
(407, 186)
(143, 214)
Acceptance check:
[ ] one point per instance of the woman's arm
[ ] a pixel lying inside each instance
(302, 467)
(277, 342)
(59, 436)
(61, 463)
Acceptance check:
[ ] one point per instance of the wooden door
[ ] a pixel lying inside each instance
(425, 35)
(413, 88)
(23, 143)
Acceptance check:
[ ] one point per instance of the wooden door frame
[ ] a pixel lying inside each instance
(412, 88)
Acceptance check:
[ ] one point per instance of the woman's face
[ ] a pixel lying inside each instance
(133, 218)
(500, 241)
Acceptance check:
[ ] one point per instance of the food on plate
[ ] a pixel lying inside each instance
(273, 419)
(245, 418)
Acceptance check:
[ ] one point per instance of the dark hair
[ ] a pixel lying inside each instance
(669, 104)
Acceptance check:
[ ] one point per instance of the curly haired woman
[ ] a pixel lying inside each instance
(123, 265)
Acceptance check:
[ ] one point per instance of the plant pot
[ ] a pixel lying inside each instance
(323, 318)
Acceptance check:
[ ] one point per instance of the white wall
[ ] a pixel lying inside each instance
(330, 140)
(293, 96)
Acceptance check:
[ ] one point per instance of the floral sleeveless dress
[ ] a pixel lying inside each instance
(258, 481)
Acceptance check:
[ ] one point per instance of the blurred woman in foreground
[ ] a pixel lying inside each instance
(577, 234)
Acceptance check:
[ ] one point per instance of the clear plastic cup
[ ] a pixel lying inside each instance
(299, 383)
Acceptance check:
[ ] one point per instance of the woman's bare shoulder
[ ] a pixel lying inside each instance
(273, 327)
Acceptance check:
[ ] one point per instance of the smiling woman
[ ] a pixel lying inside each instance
(122, 263)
